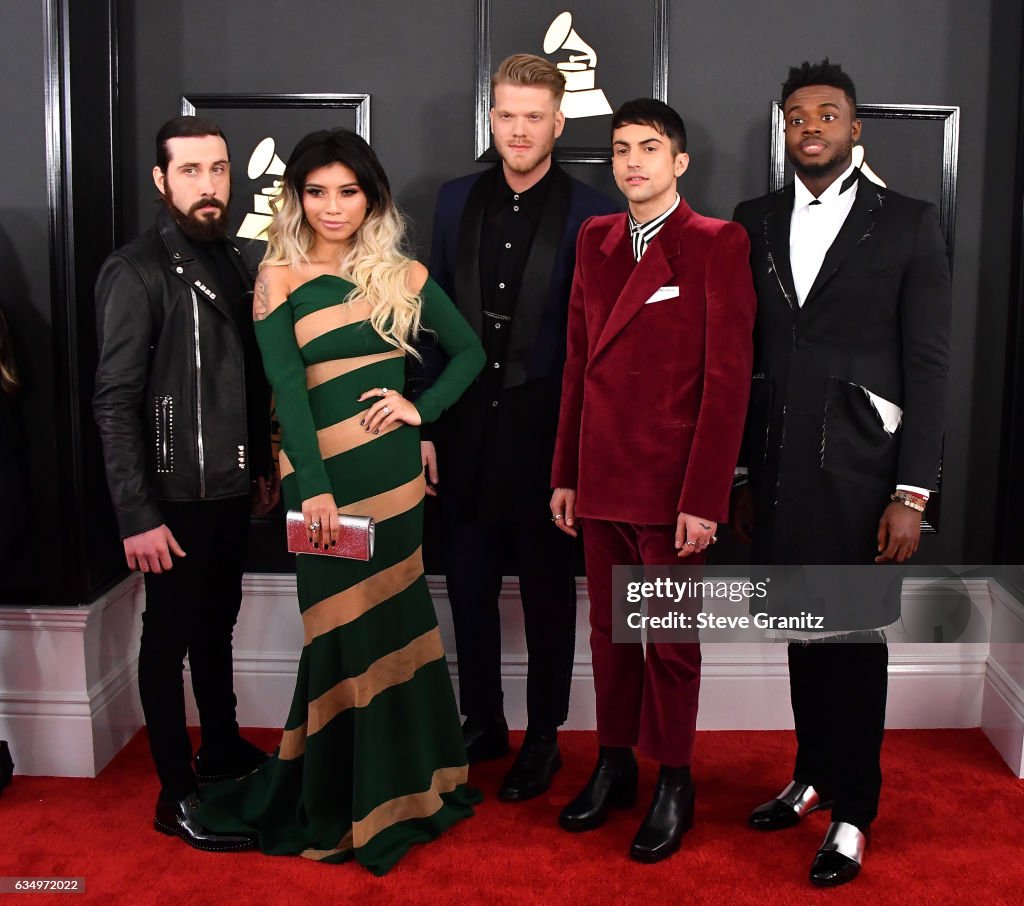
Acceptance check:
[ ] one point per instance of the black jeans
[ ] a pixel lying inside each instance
(191, 609)
(545, 561)
(838, 692)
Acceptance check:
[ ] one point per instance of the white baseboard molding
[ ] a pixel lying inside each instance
(69, 698)
(744, 686)
(1002, 716)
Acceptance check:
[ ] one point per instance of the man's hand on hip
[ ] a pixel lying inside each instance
(151, 551)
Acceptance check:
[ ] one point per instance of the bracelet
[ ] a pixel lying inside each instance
(907, 498)
(922, 497)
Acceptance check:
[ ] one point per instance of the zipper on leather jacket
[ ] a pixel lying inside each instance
(163, 418)
(199, 395)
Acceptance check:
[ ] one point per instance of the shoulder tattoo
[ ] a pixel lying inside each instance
(261, 300)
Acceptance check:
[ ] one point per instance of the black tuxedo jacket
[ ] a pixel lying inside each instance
(877, 319)
(497, 459)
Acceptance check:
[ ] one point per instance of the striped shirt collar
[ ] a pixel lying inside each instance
(641, 234)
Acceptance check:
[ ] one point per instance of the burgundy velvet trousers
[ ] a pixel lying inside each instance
(646, 702)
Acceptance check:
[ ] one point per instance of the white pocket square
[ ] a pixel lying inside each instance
(660, 295)
(890, 414)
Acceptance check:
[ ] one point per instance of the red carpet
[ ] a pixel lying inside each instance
(951, 831)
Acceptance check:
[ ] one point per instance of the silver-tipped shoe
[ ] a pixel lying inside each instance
(839, 859)
(786, 809)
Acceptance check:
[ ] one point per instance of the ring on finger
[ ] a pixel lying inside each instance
(383, 391)
(556, 517)
(315, 526)
(691, 543)
(386, 410)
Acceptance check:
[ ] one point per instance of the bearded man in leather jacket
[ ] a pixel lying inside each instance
(183, 412)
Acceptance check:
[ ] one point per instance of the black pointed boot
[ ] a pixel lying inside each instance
(612, 785)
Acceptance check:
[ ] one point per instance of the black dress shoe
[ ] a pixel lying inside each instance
(178, 819)
(612, 785)
(531, 772)
(786, 809)
(485, 741)
(238, 759)
(669, 817)
(839, 859)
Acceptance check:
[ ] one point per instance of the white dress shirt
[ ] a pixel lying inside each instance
(813, 228)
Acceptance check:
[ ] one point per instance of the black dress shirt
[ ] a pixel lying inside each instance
(510, 223)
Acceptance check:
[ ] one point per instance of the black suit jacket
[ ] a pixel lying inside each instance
(497, 459)
(878, 319)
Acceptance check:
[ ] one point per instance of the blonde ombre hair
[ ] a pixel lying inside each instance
(374, 260)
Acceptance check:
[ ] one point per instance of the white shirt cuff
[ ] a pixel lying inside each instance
(924, 492)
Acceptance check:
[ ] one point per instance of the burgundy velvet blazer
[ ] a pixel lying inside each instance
(655, 386)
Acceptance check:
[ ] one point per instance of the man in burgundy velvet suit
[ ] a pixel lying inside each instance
(654, 395)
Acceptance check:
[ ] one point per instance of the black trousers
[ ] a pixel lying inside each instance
(544, 559)
(838, 692)
(191, 609)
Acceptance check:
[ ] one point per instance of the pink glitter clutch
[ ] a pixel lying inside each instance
(355, 537)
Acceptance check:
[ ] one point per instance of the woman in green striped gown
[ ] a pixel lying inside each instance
(371, 759)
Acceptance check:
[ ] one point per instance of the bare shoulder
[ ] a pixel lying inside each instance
(273, 285)
(416, 276)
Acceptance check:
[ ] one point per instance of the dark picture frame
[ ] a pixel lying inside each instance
(191, 104)
(565, 150)
(267, 537)
(945, 198)
(223, 109)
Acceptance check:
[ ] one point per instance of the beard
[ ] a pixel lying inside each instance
(538, 152)
(200, 227)
(836, 163)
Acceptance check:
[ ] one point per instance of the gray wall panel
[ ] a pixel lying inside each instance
(25, 283)
(726, 64)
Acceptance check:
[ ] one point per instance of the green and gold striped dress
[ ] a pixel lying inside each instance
(371, 760)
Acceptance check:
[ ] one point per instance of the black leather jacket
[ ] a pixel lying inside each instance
(178, 381)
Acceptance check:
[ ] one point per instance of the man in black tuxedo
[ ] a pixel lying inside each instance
(844, 433)
(504, 249)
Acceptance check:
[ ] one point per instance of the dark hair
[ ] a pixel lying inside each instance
(823, 73)
(183, 127)
(656, 114)
(339, 146)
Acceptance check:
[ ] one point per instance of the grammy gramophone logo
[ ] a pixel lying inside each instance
(582, 98)
(263, 163)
